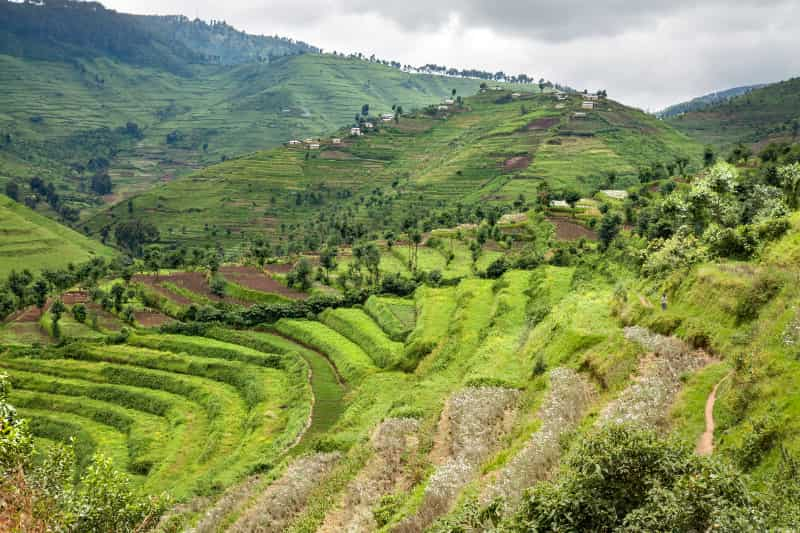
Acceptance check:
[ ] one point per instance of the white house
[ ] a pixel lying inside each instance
(449, 101)
(515, 95)
(579, 115)
(355, 131)
(313, 146)
(369, 125)
(309, 140)
(387, 117)
(587, 105)
(591, 97)
(336, 140)
(443, 108)
(294, 142)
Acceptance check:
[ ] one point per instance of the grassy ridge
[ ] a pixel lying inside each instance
(190, 423)
(357, 326)
(350, 360)
(30, 240)
(394, 315)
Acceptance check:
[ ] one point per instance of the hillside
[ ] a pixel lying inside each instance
(491, 151)
(770, 113)
(55, 117)
(701, 102)
(30, 240)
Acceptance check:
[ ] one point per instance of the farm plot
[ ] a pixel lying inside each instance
(357, 326)
(394, 315)
(180, 422)
(252, 284)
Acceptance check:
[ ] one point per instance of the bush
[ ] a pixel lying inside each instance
(498, 267)
(79, 312)
(622, 478)
(757, 295)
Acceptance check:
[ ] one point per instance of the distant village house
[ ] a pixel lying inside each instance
(355, 131)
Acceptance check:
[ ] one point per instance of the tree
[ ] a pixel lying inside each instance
(40, 290)
(101, 183)
(416, 239)
(682, 162)
(18, 283)
(708, 156)
(398, 111)
(327, 259)
(300, 275)
(118, 295)
(135, 233)
(12, 190)
(609, 229)
(213, 264)
(790, 181)
(79, 312)
(56, 310)
(572, 198)
(365, 110)
(260, 250)
(152, 260)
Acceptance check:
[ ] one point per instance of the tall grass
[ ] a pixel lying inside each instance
(362, 330)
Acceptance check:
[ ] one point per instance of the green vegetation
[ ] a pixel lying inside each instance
(394, 315)
(764, 114)
(31, 241)
(425, 170)
(357, 326)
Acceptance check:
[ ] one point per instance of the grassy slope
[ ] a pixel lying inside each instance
(30, 240)
(430, 162)
(763, 114)
(233, 109)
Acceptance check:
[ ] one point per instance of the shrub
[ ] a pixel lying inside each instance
(79, 312)
(765, 286)
(636, 480)
(757, 442)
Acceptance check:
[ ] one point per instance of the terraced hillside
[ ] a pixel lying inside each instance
(55, 117)
(30, 240)
(769, 113)
(493, 149)
(180, 414)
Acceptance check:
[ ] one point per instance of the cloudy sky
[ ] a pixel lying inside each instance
(648, 53)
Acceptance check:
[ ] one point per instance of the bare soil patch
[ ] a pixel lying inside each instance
(517, 163)
(705, 444)
(543, 123)
(75, 297)
(151, 319)
(569, 230)
(257, 280)
(279, 268)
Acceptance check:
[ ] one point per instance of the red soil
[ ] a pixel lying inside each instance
(569, 230)
(279, 268)
(75, 297)
(151, 319)
(543, 123)
(254, 279)
(517, 163)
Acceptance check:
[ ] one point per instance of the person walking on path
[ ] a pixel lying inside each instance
(664, 301)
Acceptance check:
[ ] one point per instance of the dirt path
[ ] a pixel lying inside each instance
(705, 444)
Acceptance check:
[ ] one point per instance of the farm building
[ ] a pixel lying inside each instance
(587, 105)
(579, 114)
(355, 131)
(313, 146)
(386, 117)
(369, 125)
(449, 101)
(593, 97)
(443, 108)
(336, 140)
(294, 142)
(309, 140)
